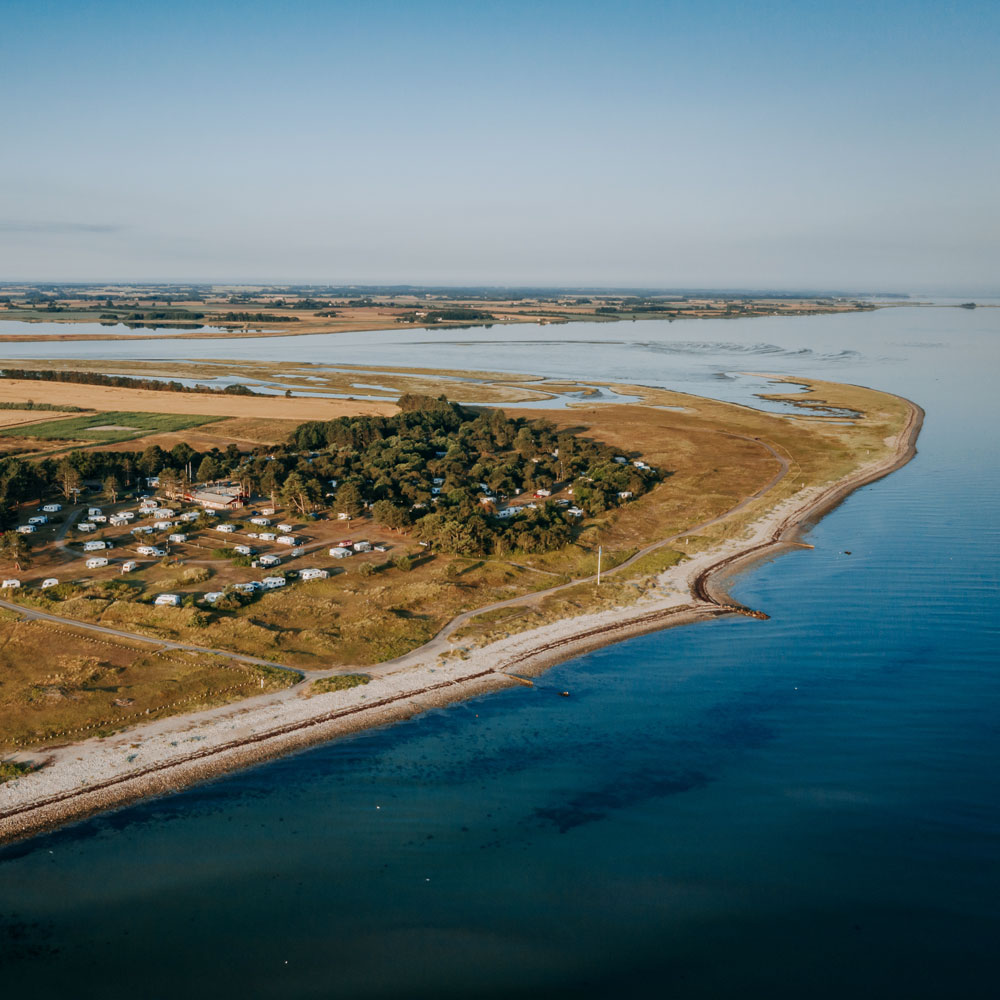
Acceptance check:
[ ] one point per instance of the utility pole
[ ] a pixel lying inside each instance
(600, 549)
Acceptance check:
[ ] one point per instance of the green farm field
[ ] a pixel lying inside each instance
(108, 427)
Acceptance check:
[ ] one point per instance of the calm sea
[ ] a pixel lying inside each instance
(803, 807)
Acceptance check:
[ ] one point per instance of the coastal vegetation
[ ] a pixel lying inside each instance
(119, 381)
(337, 682)
(61, 683)
(432, 555)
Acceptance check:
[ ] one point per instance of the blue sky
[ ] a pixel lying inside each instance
(710, 144)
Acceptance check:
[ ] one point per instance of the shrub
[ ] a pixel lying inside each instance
(338, 682)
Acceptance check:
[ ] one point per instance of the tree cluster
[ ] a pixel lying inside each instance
(427, 469)
(119, 381)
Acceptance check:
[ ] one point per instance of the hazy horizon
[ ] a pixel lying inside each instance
(712, 145)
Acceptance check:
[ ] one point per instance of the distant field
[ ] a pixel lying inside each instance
(107, 427)
(11, 418)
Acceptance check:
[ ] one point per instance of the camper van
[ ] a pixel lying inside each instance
(96, 546)
(169, 600)
(313, 574)
(97, 562)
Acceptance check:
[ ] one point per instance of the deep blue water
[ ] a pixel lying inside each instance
(808, 806)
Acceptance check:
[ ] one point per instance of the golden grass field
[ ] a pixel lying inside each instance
(61, 683)
(100, 397)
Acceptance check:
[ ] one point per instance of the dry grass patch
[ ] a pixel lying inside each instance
(57, 683)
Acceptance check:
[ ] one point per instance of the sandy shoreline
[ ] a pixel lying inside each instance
(81, 779)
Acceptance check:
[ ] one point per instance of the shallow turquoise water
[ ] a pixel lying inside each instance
(806, 806)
